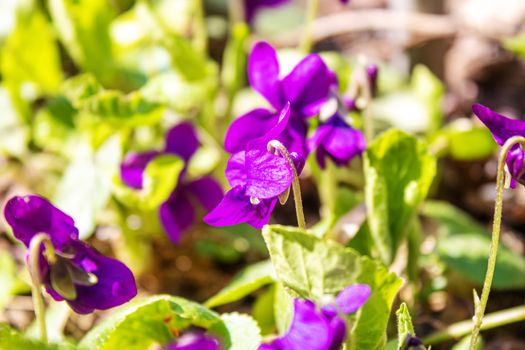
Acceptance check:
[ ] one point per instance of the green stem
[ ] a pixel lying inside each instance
(311, 14)
(492, 320)
(274, 146)
(36, 279)
(201, 36)
(328, 189)
(496, 229)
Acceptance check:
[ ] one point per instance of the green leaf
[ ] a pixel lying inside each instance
(13, 340)
(83, 28)
(245, 282)
(405, 328)
(460, 136)
(263, 310)
(282, 308)
(234, 67)
(142, 323)
(399, 170)
(53, 127)
(118, 108)
(308, 265)
(19, 65)
(430, 90)
(312, 268)
(85, 186)
(244, 333)
(369, 330)
(464, 246)
(159, 180)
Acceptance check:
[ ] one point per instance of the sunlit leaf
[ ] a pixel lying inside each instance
(313, 268)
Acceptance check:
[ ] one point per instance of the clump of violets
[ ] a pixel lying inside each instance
(195, 341)
(257, 178)
(178, 212)
(78, 274)
(502, 129)
(321, 328)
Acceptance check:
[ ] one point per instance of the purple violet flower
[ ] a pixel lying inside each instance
(306, 88)
(252, 6)
(320, 329)
(502, 129)
(81, 276)
(178, 212)
(337, 140)
(195, 341)
(257, 178)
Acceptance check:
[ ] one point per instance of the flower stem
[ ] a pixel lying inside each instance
(36, 279)
(481, 304)
(273, 146)
(200, 37)
(311, 14)
(492, 320)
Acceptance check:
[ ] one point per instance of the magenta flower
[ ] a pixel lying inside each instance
(502, 129)
(81, 276)
(195, 341)
(320, 329)
(306, 88)
(178, 212)
(257, 178)
(337, 140)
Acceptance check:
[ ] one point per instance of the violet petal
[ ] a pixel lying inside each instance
(263, 73)
(133, 166)
(182, 140)
(30, 215)
(236, 208)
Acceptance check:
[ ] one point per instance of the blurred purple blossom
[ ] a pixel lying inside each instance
(502, 129)
(337, 140)
(178, 212)
(81, 276)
